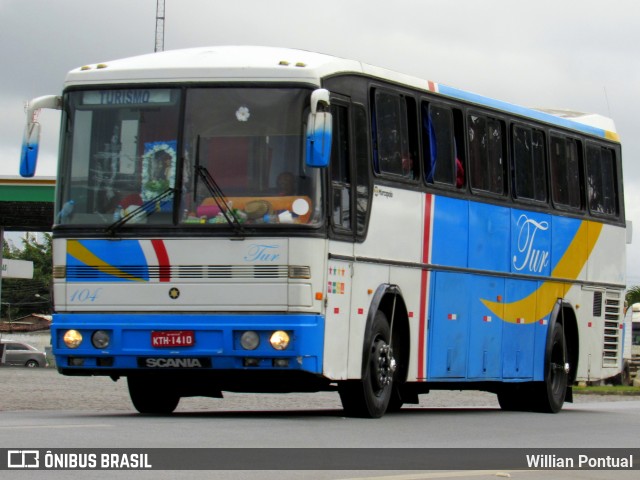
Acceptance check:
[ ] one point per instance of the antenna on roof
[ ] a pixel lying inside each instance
(159, 26)
(606, 97)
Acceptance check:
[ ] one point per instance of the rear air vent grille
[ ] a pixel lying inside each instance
(612, 329)
(597, 304)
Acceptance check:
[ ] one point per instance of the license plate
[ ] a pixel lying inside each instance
(173, 338)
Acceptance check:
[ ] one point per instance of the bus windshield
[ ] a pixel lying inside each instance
(127, 149)
(635, 333)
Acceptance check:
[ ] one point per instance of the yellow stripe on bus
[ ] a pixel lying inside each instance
(84, 255)
(612, 136)
(539, 303)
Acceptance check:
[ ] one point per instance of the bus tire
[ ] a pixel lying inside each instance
(395, 402)
(149, 398)
(513, 398)
(508, 399)
(370, 396)
(548, 396)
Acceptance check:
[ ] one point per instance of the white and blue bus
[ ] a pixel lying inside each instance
(256, 219)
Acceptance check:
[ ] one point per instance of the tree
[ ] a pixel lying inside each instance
(21, 297)
(633, 295)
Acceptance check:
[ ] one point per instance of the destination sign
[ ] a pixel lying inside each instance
(127, 97)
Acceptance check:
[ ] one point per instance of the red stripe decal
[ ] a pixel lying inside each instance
(163, 260)
(421, 331)
(432, 86)
(424, 288)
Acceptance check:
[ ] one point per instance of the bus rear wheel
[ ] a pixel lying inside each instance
(548, 396)
(151, 395)
(370, 396)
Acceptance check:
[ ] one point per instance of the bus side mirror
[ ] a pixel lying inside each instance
(319, 131)
(31, 137)
(29, 154)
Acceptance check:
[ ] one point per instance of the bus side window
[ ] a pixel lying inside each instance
(394, 135)
(529, 164)
(486, 153)
(340, 169)
(444, 162)
(350, 184)
(601, 180)
(363, 187)
(566, 172)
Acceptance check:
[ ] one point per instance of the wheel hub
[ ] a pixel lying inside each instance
(383, 363)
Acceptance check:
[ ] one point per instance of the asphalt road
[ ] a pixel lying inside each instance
(45, 389)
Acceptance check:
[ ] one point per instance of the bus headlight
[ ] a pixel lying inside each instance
(72, 338)
(100, 339)
(279, 340)
(250, 340)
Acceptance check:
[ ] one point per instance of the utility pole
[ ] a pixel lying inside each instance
(159, 26)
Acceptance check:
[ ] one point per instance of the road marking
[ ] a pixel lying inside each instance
(31, 427)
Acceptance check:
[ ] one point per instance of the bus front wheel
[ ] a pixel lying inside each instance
(514, 398)
(370, 396)
(151, 396)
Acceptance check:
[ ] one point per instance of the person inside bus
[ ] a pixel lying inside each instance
(459, 173)
(285, 184)
(460, 176)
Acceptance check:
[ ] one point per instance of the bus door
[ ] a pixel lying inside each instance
(349, 201)
(340, 264)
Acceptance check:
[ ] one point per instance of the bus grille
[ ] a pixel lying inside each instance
(178, 272)
(612, 330)
(597, 304)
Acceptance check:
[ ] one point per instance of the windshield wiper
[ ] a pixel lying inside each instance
(216, 192)
(221, 201)
(144, 210)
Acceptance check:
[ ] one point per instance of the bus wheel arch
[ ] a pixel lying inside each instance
(560, 364)
(383, 370)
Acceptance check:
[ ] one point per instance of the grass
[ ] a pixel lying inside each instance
(607, 390)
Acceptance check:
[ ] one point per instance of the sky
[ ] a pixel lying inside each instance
(577, 55)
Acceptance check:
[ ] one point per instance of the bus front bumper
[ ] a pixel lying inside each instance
(146, 342)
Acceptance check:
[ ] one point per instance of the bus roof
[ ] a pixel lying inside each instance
(215, 63)
(249, 63)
